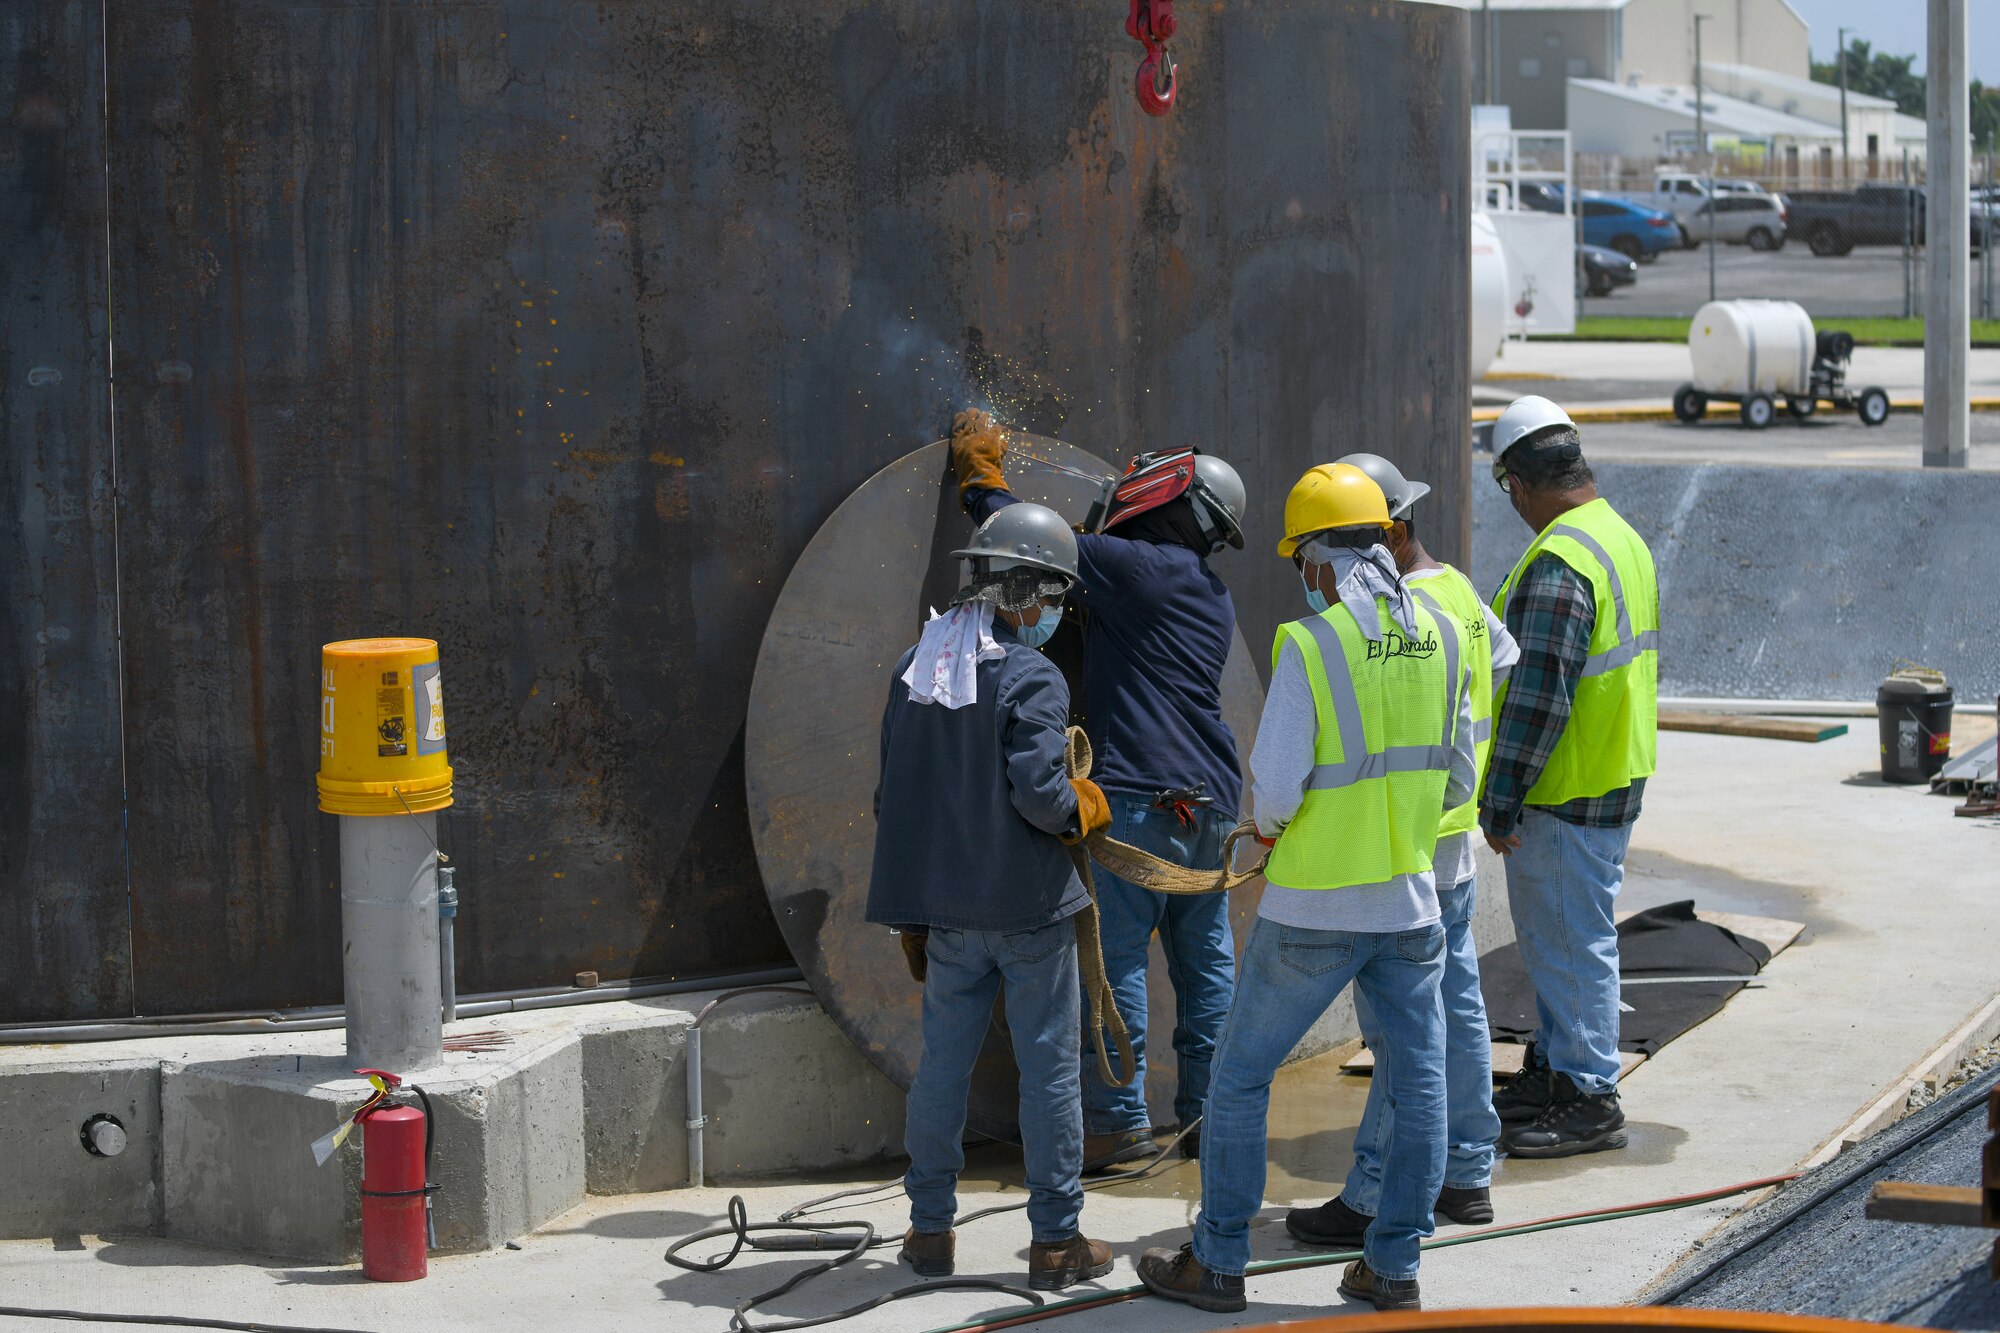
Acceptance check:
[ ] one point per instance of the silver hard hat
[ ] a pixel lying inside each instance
(1397, 489)
(1219, 499)
(1024, 536)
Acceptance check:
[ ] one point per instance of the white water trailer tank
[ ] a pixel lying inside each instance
(1741, 348)
(1489, 294)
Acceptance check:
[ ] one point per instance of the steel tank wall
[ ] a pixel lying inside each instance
(553, 332)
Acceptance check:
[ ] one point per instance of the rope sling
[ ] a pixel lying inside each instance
(1148, 872)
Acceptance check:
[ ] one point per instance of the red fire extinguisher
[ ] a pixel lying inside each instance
(396, 1189)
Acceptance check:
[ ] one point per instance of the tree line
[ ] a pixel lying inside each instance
(1884, 75)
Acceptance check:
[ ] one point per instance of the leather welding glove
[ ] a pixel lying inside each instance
(1093, 812)
(914, 944)
(976, 448)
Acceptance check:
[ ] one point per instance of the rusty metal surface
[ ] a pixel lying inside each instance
(63, 935)
(852, 604)
(554, 331)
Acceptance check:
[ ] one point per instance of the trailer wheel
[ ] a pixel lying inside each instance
(1801, 407)
(1690, 404)
(1758, 411)
(1873, 407)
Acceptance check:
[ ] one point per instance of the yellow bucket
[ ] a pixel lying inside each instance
(381, 728)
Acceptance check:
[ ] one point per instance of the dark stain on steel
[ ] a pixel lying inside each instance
(554, 332)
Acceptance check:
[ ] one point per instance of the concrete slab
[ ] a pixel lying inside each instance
(50, 1185)
(1896, 895)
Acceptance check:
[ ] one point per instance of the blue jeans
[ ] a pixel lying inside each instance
(1201, 959)
(966, 969)
(1471, 1126)
(1289, 977)
(1562, 882)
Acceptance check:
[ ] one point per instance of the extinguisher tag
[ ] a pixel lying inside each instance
(327, 1144)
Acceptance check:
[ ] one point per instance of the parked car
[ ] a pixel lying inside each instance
(1634, 230)
(1756, 220)
(1686, 196)
(1602, 270)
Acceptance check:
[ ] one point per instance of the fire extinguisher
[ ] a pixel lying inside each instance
(397, 1230)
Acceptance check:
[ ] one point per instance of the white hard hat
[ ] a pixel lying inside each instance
(1524, 417)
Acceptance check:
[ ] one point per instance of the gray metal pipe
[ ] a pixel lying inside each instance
(697, 1121)
(447, 945)
(321, 1018)
(389, 937)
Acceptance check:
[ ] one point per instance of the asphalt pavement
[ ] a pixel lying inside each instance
(1828, 440)
(1867, 281)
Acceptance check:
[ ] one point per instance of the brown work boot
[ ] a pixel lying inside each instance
(929, 1252)
(1053, 1265)
(1384, 1293)
(1102, 1151)
(1179, 1276)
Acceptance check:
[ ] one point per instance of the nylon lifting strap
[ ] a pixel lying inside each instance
(1357, 762)
(1482, 727)
(1629, 645)
(1104, 1015)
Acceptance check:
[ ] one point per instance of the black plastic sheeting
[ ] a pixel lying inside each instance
(1668, 941)
(1810, 1250)
(554, 331)
(1795, 582)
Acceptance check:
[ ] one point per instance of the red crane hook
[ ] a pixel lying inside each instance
(1151, 23)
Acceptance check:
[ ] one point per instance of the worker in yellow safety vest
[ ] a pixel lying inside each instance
(1573, 744)
(1471, 1127)
(1366, 738)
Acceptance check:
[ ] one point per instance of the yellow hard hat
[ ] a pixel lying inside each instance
(1332, 495)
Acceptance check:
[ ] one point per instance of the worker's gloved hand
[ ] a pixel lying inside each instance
(914, 944)
(1093, 812)
(976, 447)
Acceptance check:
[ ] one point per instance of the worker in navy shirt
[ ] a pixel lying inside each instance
(1159, 628)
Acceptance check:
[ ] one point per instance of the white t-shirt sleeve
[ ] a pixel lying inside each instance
(1281, 762)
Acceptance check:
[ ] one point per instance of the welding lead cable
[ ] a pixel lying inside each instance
(1098, 1300)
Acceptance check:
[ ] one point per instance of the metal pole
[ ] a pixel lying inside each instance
(1701, 143)
(1986, 244)
(1841, 60)
(447, 943)
(1909, 207)
(389, 926)
(696, 1121)
(1486, 51)
(1947, 238)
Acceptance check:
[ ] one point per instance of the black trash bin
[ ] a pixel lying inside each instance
(1914, 708)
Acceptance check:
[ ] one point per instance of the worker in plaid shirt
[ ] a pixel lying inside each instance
(1573, 744)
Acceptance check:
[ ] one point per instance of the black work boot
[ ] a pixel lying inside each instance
(1333, 1223)
(1053, 1265)
(1469, 1207)
(929, 1252)
(1384, 1293)
(1179, 1276)
(1525, 1095)
(1191, 1143)
(1103, 1151)
(1575, 1122)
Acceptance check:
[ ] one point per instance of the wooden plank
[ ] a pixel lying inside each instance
(1939, 1205)
(1771, 932)
(1764, 728)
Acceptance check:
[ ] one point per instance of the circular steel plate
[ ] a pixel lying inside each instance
(852, 604)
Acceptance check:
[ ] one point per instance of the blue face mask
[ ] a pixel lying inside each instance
(1314, 597)
(1041, 631)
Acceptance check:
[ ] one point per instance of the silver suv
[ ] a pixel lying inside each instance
(1741, 218)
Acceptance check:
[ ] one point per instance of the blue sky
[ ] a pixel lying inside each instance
(1897, 26)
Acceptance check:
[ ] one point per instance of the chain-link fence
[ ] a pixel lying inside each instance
(1842, 240)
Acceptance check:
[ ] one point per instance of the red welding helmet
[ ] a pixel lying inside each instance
(1149, 482)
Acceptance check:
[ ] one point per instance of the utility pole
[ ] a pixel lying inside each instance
(1947, 240)
(1701, 142)
(1841, 65)
(1486, 51)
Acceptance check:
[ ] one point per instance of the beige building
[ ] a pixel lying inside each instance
(1537, 46)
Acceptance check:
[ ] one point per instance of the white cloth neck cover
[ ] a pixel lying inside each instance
(1362, 575)
(945, 669)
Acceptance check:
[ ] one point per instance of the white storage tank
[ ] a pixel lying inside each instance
(1489, 294)
(1741, 348)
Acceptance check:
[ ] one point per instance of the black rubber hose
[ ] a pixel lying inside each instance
(168, 1320)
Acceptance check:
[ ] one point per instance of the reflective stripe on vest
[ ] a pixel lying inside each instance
(1629, 645)
(1449, 595)
(1358, 763)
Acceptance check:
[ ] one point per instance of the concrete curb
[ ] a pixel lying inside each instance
(1665, 411)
